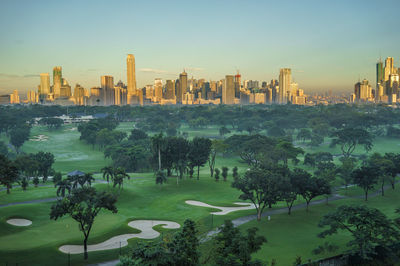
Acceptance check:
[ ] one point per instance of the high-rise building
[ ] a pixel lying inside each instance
(238, 82)
(134, 96)
(170, 90)
(379, 72)
(44, 87)
(388, 68)
(183, 84)
(228, 91)
(285, 80)
(107, 86)
(363, 90)
(57, 81)
(79, 95)
(158, 89)
(14, 97)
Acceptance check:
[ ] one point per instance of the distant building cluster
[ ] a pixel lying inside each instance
(183, 90)
(387, 85)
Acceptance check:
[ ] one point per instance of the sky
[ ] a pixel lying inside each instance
(328, 44)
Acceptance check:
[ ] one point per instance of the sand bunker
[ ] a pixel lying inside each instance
(39, 138)
(224, 210)
(145, 226)
(19, 222)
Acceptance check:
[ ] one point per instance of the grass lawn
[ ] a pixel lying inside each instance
(141, 198)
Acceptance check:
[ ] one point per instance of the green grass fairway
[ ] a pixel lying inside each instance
(70, 153)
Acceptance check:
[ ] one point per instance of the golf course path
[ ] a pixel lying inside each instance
(224, 210)
(145, 226)
(28, 202)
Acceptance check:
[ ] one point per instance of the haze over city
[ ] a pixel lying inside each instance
(328, 45)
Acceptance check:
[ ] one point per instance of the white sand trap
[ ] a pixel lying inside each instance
(145, 226)
(39, 138)
(224, 210)
(19, 222)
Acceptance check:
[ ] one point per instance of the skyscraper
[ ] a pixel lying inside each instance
(44, 84)
(107, 87)
(285, 80)
(158, 89)
(182, 87)
(57, 81)
(170, 90)
(134, 95)
(238, 82)
(228, 91)
(379, 72)
(388, 68)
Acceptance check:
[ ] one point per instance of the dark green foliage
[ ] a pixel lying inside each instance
(45, 160)
(3, 148)
(225, 172)
(181, 250)
(51, 122)
(161, 178)
(200, 149)
(18, 135)
(234, 248)
(8, 173)
(349, 138)
(57, 177)
(366, 177)
(83, 205)
(216, 176)
(368, 227)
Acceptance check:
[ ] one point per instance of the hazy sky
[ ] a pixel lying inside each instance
(328, 44)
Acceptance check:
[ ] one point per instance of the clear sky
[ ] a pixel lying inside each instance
(328, 44)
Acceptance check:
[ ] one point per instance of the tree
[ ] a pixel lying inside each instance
(385, 168)
(344, 171)
(395, 158)
(366, 177)
(8, 173)
(45, 161)
(235, 173)
(119, 176)
(62, 187)
(200, 149)
(83, 205)
(225, 172)
(108, 173)
(309, 187)
(349, 138)
(285, 150)
(223, 131)
(217, 146)
(259, 186)
(160, 177)
(304, 134)
(35, 181)
(158, 143)
(57, 177)
(178, 149)
(3, 148)
(181, 250)
(368, 227)
(19, 135)
(288, 190)
(24, 183)
(234, 248)
(216, 176)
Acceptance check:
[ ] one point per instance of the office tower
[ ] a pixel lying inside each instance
(57, 81)
(228, 91)
(213, 86)
(170, 90)
(379, 72)
(388, 68)
(238, 82)
(44, 88)
(107, 86)
(285, 79)
(96, 96)
(14, 97)
(181, 90)
(79, 95)
(158, 89)
(149, 92)
(65, 89)
(134, 96)
(363, 90)
(205, 89)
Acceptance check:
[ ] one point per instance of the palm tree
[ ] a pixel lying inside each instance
(160, 177)
(119, 176)
(108, 173)
(63, 185)
(158, 141)
(74, 180)
(86, 179)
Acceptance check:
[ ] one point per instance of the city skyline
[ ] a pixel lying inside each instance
(326, 45)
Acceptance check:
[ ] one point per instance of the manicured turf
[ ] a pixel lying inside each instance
(140, 198)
